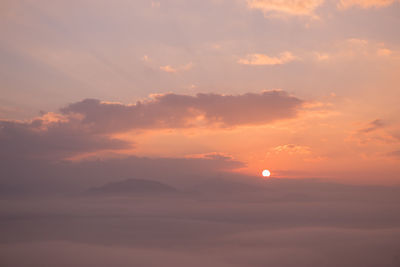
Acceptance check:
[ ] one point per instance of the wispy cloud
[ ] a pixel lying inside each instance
(155, 4)
(171, 69)
(375, 132)
(345, 4)
(262, 59)
(384, 52)
(356, 48)
(395, 154)
(286, 8)
(292, 149)
(374, 125)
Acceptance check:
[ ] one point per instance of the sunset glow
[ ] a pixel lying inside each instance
(200, 133)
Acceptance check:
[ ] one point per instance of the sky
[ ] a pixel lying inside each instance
(303, 88)
(135, 133)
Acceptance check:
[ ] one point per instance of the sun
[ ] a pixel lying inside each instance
(266, 173)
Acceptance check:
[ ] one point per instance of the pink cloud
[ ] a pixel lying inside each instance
(179, 111)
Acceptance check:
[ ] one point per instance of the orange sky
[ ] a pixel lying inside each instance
(305, 88)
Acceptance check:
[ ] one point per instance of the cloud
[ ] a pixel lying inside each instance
(356, 48)
(374, 125)
(146, 58)
(292, 149)
(86, 126)
(100, 255)
(133, 187)
(345, 4)
(356, 42)
(45, 138)
(212, 155)
(377, 132)
(155, 4)
(179, 111)
(170, 69)
(322, 56)
(280, 8)
(384, 52)
(395, 154)
(315, 222)
(261, 59)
